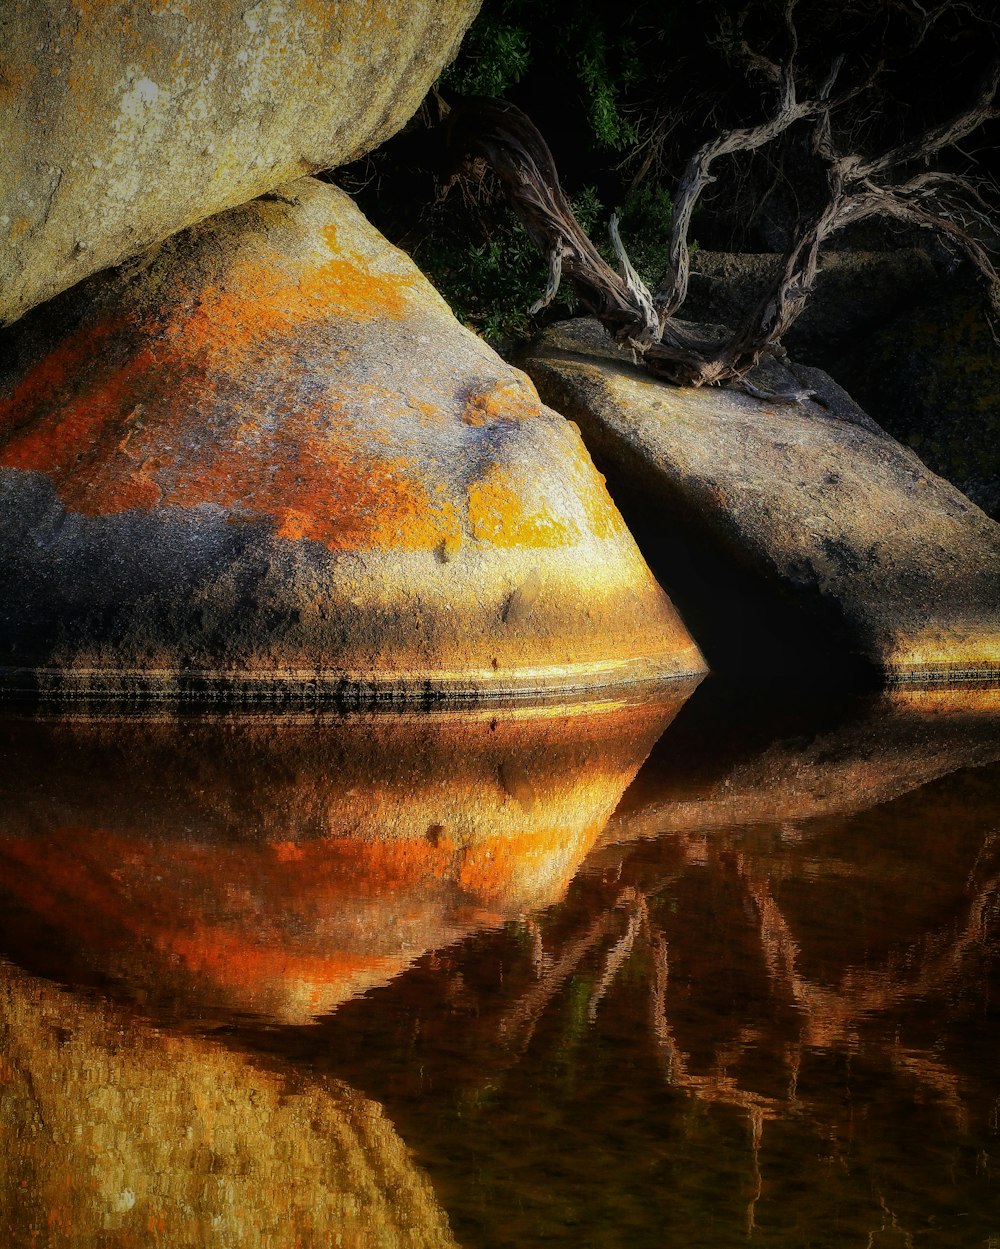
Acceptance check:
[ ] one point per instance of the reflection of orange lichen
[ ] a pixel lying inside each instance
(488, 867)
(498, 514)
(241, 916)
(228, 957)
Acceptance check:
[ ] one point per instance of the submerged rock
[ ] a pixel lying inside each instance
(267, 457)
(787, 533)
(121, 123)
(116, 1132)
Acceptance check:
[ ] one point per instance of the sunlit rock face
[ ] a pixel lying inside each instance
(785, 531)
(278, 868)
(173, 1140)
(269, 455)
(122, 123)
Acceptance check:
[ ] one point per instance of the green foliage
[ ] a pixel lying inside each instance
(492, 276)
(598, 60)
(490, 283)
(495, 56)
(609, 127)
(510, 37)
(645, 223)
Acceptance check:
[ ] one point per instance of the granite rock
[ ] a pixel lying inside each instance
(121, 123)
(266, 457)
(787, 533)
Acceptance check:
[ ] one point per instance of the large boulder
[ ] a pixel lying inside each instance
(116, 1132)
(786, 532)
(266, 457)
(122, 123)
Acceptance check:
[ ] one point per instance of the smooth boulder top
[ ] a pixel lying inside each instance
(806, 515)
(266, 456)
(121, 123)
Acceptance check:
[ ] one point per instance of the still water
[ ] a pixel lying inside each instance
(696, 971)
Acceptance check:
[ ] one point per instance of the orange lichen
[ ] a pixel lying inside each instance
(49, 380)
(511, 401)
(603, 517)
(133, 434)
(498, 515)
(261, 301)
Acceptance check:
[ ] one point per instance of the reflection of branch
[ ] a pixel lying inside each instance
(517, 1026)
(832, 1014)
(936, 1076)
(717, 1088)
(619, 952)
(539, 959)
(892, 1225)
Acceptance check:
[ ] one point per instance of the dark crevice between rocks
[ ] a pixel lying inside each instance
(754, 636)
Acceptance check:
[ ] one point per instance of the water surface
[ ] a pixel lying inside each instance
(715, 974)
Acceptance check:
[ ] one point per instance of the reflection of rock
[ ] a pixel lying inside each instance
(115, 1133)
(268, 455)
(785, 1015)
(726, 764)
(280, 867)
(121, 123)
(792, 1018)
(785, 530)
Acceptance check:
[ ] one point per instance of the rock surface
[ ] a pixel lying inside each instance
(122, 123)
(173, 1139)
(266, 456)
(786, 528)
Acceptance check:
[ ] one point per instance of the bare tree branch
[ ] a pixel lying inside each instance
(857, 187)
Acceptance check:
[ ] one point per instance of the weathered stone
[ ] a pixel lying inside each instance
(122, 123)
(116, 1132)
(354, 844)
(267, 456)
(932, 378)
(786, 532)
